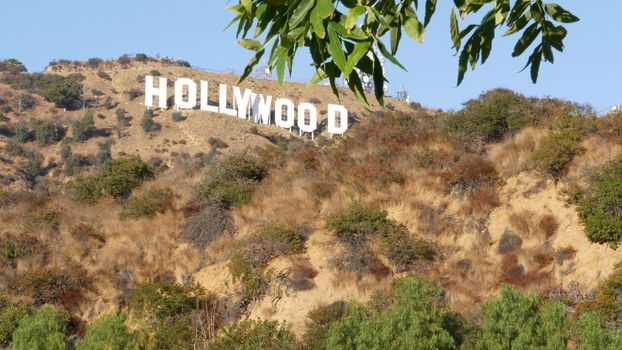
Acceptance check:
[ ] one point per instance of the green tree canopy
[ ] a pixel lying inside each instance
(108, 332)
(44, 330)
(341, 35)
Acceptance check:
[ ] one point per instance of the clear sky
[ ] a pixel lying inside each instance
(38, 31)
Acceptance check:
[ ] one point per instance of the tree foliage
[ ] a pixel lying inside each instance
(44, 330)
(108, 332)
(342, 35)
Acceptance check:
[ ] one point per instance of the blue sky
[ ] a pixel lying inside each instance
(37, 32)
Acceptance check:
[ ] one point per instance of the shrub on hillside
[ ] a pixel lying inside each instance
(32, 170)
(65, 93)
(469, 173)
(22, 133)
(53, 286)
(12, 66)
(108, 332)
(86, 189)
(209, 223)
(318, 323)
(121, 176)
(555, 152)
(590, 333)
(117, 179)
(10, 315)
(104, 154)
(179, 317)
(405, 251)
(353, 225)
(104, 75)
(133, 93)
(492, 115)
(177, 117)
(46, 132)
(25, 102)
(601, 209)
(45, 329)
(154, 201)
(147, 122)
(256, 335)
(84, 127)
(515, 320)
(231, 182)
(94, 62)
(417, 319)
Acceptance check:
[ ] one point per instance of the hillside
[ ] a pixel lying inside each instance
(273, 225)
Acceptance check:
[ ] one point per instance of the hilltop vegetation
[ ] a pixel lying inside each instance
(494, 226)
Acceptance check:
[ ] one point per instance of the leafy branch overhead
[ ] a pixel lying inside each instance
(341, 35)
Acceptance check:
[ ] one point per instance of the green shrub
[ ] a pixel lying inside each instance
(84, 127)
(556, 151)
(156, 200)
(117, 179)
(25, 102)
(232, 181)
(53, 285)
(471, 172)
(254, 279)
(94, 62)
(22, 133)
(416, 320)
(32, 170)
(104, 154)
(121, 176)
(607, 302)
(256, 335)
(177, 117)
(601, 209)
(133, 93)
(591, 335)
(514, 320)
(86, 189)
(405, 251)
(65, 93)
(108, 332)
(318, 323)
(492, 115)
(10, 315)
(357, 222)
(104, 75)
(178, 315)
(45, 329)
(158, 301)
(47, 133)
(147, 122)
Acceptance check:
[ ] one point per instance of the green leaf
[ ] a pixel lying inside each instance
(455, 31)
(353, 16)
(412, 26)
(354, 82)
(535, 65)
(250, 44)
(518, 25)
(300, 13)
(248, 5)
(251, 64)
(360, 49)
(430, 8)
(560, 14)
(463, 63)
(527, 39)
(388, 55)
(334, 47)
(378, 80)
(396, 36)
(324, 8)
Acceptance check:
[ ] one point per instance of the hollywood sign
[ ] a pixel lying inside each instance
(247, 105)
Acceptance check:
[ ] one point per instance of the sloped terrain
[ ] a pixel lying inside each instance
(274, 226)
